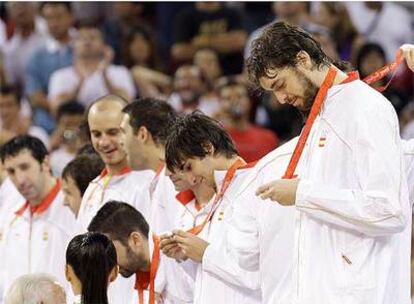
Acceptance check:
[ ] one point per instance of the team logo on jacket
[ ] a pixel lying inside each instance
(45, 236)
(322, 139)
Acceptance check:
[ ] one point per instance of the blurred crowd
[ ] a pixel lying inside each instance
(57, 57)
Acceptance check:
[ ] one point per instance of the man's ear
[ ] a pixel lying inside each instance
(303, 60)
(143, 134)
(45, 165)
(114, 274)
(68, 273)
(209, 149)
(135, 240)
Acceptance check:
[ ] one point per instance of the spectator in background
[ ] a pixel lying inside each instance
(386, 23)
(91, 265)
(26, 39)
(35, 288)
(371, 57)
(210, 25)
(3, 34)
(293, 12)
(328, 45)
(92, 74)
(142, 58)
(12, 122)
(251, 141)
(208, 62)
(65, 140)
(56, 53)
(335, 17)
(116, 30)
(189, 90)
(76, 177)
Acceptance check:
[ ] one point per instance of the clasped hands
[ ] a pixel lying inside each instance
(181, 245)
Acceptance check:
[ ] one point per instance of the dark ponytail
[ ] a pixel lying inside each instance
(92, 257)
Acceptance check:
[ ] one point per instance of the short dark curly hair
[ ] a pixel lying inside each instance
(278, 46)
(190, 136)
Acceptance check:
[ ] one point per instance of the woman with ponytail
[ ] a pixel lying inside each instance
(91, 265)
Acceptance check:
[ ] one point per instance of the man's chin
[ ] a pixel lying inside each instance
(126, 273)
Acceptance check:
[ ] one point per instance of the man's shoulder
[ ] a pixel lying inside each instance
(141, 175)
(358, 96)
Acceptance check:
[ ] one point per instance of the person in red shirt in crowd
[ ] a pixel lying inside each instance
(253, 142)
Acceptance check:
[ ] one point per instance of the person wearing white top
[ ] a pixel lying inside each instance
(12, 120)
(408, 148)
(117, 181)
(261, 233)
(92, 74)
(353, 216)
(146, 125)
(39, 228)
(375, 21)
(26, 40)
(137, 249)
(199, 147)
(197, 201)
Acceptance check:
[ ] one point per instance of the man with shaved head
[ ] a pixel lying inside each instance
(117, 181)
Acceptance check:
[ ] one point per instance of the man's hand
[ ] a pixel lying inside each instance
(282, 191)
(170, 248)
(408, 53)
(108, 56)
(192, 246)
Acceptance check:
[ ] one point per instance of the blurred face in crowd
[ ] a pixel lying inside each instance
(106, 136)
(132, 255)
(291, 87)
(235, 101)
(208, 6)
(209, 64)
(288, 10)
(59, 20)
(371, 62)
(70, 124)
(188, 84)
(140, 49)
(326, 17)
(27, 174)
(9, 108)
(22, 13)
(89, 43)
(327, 45)
(126, 10)
(71, 194)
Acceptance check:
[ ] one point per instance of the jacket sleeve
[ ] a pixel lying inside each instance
(377, 204)
(238, 262)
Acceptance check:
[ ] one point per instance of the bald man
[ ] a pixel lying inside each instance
(117, 181)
